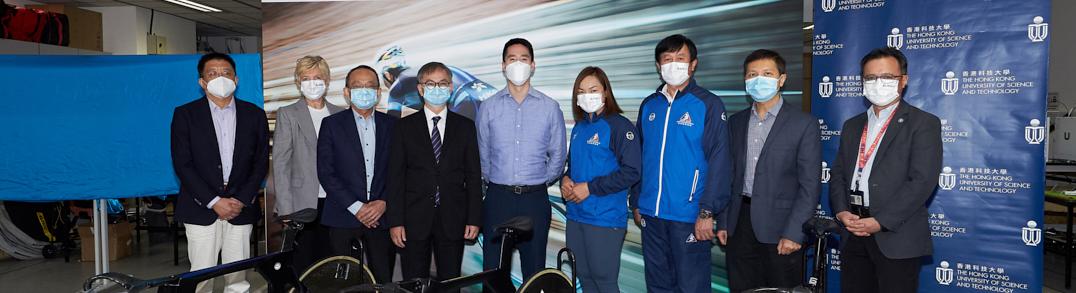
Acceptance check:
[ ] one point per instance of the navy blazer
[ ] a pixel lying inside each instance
(196, 160)
(342, 168)
(787, 176)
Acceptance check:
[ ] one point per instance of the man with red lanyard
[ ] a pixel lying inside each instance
(885, 172)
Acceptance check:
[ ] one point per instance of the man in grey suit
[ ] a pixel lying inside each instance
(776, 152)
(295, 143)
(884, 174)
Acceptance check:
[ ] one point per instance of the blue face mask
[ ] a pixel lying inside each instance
(436, 95)
(364, 98)
(762, 88)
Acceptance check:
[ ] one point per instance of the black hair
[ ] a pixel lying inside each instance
(517, 41)
(672, 44)
(377, 81)
(886, 52)
(763, 54)
(214, 56)
(430, 68)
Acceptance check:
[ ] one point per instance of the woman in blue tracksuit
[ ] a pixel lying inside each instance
(603, 163)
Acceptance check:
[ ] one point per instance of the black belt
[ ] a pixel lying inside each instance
(517, 189)
(745, 199)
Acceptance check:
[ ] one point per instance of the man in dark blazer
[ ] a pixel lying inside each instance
(353, 151)
(435, 198)
(220, 152)
(776, 152)
(885, 171)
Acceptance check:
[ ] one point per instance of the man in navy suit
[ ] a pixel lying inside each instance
(220, 152)
(776, 154)
(352, 166)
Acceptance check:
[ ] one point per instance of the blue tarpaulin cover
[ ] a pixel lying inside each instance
(89, 127)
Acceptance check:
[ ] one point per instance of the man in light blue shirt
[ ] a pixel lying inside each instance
(521, 139)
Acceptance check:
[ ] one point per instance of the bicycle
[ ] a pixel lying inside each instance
(821, 228)
(275, 268)
(499, 279)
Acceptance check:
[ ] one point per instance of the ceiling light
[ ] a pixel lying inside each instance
(194, 5)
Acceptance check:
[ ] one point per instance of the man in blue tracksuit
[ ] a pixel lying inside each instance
(686, 173)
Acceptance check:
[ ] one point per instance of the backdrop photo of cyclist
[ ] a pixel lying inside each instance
(397, 37)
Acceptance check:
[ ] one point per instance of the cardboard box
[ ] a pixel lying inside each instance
(85, 25)
(119, 241)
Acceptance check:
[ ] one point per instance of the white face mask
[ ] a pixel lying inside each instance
(674, 73)
(590, 102)
(312, 89)
(518, 72)
(881, 92)
(221, 87)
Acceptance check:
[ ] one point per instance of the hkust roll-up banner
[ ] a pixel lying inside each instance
(981, 67)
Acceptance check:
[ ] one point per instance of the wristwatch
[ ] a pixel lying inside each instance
(705, 214)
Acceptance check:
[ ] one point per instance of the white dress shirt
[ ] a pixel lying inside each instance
(874, 126)
(316, 115)
(440, 124)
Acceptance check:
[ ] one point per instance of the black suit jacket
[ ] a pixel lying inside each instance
(196, 160)
(902, 180)
(415, 177)
(787, 179)
(342, 166)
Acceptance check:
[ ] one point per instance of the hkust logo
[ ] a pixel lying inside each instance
(1038, 30)
(1031, 234)
(950, 84)
(943, 273)
(947, 180)
(895, 39)
(1034, 133)
(825, 172)
(828, 5)
(825, 88)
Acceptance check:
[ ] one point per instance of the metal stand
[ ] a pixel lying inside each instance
(100, 237)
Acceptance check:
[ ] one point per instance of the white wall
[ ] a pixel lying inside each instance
(21, 3)
(232, 44)
(125, 29)
(1062, 47)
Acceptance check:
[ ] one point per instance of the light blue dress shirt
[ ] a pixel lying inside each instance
(368, 139)
(521, 143)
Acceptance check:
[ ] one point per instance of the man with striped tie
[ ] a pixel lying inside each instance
(435, 181)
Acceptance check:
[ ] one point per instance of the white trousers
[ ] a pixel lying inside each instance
(231, 242)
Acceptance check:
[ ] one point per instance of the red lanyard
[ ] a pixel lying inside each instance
(863, 157)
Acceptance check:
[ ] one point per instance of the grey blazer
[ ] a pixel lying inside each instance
(295, 158)
(787, 179)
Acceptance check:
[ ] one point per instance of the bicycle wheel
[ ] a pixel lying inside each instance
(336, 273)
(548, 281)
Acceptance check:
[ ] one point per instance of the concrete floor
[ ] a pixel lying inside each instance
(149, 261)
(54, 275)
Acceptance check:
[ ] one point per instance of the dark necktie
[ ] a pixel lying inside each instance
(435, 138)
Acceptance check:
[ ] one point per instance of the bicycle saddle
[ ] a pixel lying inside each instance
(302, 216)
(821, 226)
(519, 224)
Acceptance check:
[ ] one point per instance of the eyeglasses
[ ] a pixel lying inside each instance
(212, 74)
(443, 84)
(871, 77)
